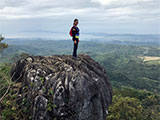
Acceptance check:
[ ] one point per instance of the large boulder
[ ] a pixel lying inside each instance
(59, 87)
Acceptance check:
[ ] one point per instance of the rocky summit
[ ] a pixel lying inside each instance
(59, 87)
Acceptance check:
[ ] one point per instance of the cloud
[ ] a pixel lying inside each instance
(17, 9)
(98, 13)
(42, 8)
(123, 3)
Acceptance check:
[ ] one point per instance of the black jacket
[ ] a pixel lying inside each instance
(75, 33)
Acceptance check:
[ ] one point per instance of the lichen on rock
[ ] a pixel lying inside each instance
(62, 88)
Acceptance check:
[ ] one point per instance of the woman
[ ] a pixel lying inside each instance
(75, 37)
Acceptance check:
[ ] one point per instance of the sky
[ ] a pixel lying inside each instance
(41, 18)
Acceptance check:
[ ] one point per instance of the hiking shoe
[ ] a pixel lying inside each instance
(78, 58)
(74, 57)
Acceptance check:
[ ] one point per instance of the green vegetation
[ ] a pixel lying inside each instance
(132, 104)
(8, 106)
(131, 71)
(13, 106)
(2, 45)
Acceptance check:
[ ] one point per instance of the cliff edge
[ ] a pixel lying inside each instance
(60, 88)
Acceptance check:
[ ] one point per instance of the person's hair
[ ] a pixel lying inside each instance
(75, 21)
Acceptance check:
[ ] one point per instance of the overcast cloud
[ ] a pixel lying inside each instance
(110, 16)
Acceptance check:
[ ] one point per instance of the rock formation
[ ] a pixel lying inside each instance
(59, 87)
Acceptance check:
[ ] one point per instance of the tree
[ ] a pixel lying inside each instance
(2, 45)
(125, 108)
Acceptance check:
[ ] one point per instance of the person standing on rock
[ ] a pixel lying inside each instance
(74, 33)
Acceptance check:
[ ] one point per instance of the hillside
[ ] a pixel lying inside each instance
(123, 62)
(132, 68)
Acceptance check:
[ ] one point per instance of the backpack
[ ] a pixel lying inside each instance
(70, 32)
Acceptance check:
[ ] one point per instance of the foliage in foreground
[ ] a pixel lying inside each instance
(2, 45)
(132, 104)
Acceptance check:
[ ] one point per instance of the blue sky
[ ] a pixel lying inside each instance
(33, 18)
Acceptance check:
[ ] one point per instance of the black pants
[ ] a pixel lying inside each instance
(75, 49)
